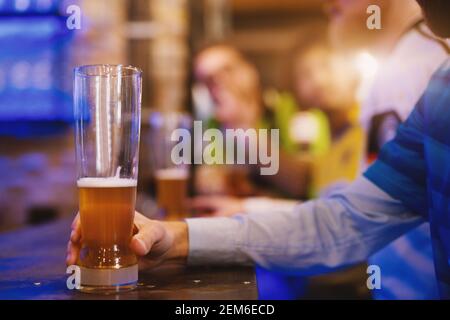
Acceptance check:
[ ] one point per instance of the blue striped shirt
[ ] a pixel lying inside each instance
(415, 168)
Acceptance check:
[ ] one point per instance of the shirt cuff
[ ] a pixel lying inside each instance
(264, 204)
(214, 241)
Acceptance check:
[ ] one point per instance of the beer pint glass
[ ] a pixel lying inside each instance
(107, 108)
(171, 179)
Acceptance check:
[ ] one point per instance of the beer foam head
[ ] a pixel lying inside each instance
(172, 173)
(112, 182)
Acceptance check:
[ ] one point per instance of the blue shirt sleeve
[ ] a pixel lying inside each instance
(400, 169)
(316, 236)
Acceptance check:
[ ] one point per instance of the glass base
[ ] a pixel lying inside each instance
(108, 281)
(107, 289)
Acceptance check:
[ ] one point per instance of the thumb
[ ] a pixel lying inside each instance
(142, 242)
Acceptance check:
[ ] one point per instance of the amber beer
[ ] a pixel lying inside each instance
(171, 188)
(107, 211)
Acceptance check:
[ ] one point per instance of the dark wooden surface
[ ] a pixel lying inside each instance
(32, 267)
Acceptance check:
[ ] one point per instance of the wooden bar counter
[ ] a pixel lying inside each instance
(32, 267)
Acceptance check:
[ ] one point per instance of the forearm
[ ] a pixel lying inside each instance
(318, 235)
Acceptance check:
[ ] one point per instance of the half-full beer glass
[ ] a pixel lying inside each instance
(107, 107)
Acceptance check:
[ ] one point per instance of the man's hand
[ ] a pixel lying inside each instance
(218, 206)
(157, 241)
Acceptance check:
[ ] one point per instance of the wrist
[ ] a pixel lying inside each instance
(180, 241)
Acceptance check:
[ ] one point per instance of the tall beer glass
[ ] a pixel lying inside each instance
(171, 179)
(107, 108)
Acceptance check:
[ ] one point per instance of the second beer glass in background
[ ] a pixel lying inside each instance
(171, 180)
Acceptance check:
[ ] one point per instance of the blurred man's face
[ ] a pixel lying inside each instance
(232, 82)
(348, 18)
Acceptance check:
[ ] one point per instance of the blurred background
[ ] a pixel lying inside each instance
(160, 37)
(206, 57)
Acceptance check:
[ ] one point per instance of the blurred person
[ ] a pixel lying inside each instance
(403, 187)
(325, 79)
(233, 85)
(318, 116)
